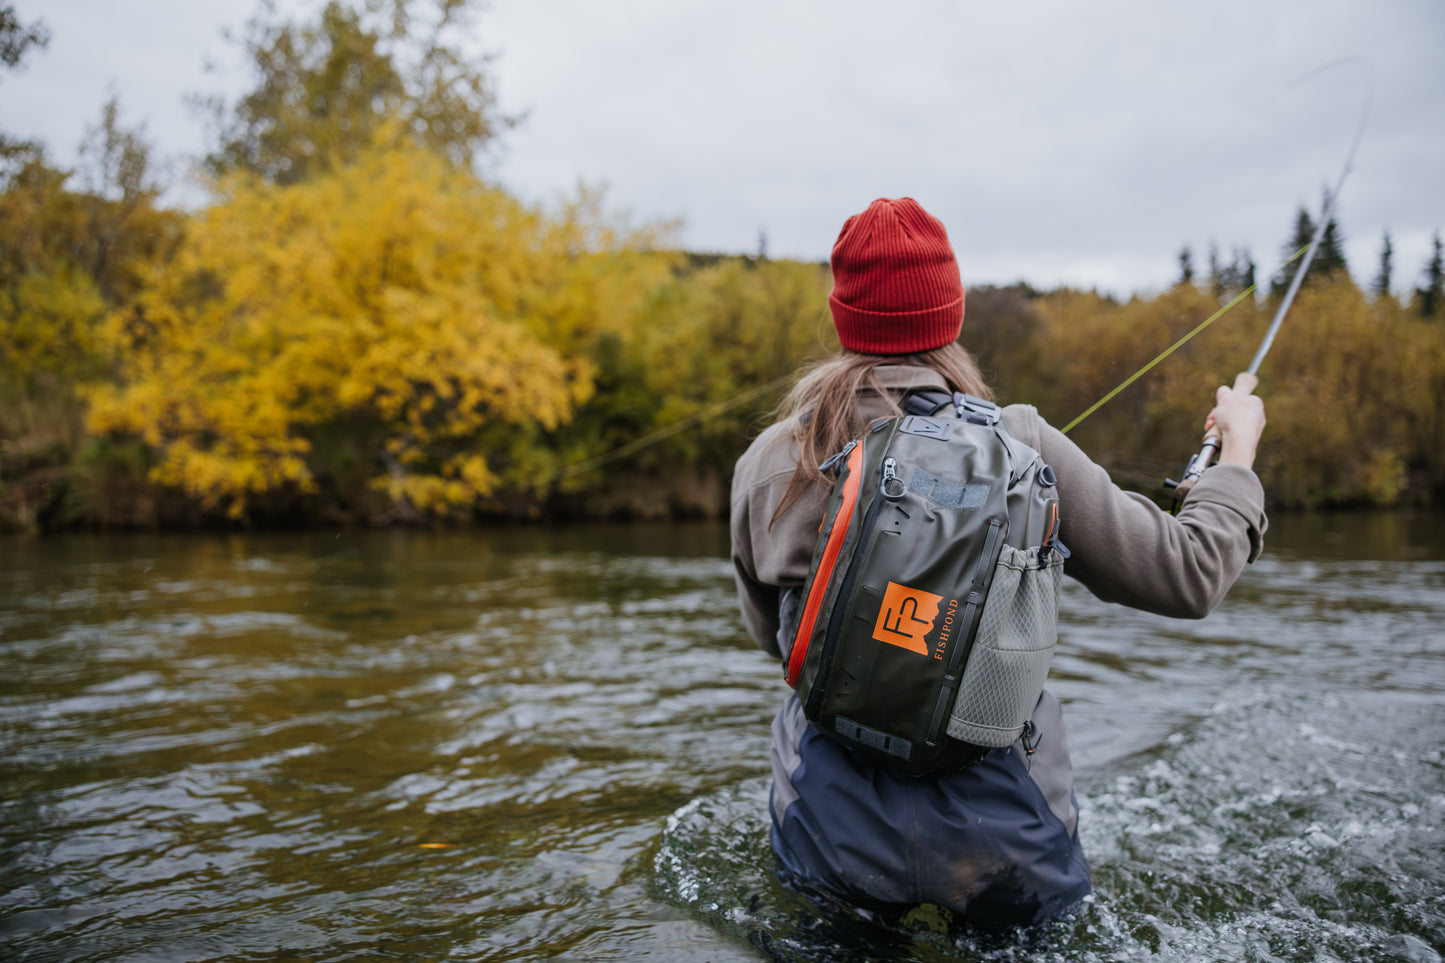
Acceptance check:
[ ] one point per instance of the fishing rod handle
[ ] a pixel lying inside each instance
(1244, 384)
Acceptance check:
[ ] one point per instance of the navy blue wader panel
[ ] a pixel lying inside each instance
(982, 842)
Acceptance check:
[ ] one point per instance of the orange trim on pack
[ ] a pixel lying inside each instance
(842, 521)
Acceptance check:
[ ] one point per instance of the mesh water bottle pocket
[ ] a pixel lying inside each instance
(1017, 633)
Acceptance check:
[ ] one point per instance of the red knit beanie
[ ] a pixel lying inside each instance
(896, 286)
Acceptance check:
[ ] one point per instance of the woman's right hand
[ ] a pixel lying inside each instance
(1239, 420)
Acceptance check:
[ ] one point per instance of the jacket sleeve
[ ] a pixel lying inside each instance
(759, 601)
(1127, 550)
(771, 550)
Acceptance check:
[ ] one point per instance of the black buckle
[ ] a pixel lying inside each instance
(1030, 730)
(977, 410)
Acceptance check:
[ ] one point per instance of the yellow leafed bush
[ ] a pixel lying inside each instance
(360, 332)
(725, 328)
(47, 324)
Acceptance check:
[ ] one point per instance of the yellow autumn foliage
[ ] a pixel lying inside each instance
(1351, 387)
(725, 328)
(394, 340)
(47, 324)
(357, 328)
(373, 325)
(1353, 400)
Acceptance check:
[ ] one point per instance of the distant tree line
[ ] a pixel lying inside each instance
(1328, 262)
(358, 328)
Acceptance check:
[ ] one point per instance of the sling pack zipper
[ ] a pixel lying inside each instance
(836, 537)
(845, 592)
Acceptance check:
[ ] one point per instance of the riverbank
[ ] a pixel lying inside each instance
(52, 499)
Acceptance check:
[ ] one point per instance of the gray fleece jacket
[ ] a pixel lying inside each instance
(997, 842)
(1124, 548)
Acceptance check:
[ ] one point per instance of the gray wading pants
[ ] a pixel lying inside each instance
(996, 843)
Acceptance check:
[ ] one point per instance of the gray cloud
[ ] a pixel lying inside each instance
(1059, 142)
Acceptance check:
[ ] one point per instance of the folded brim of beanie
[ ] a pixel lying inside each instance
(896, 332)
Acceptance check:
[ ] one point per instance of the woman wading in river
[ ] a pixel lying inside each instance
(996, 843)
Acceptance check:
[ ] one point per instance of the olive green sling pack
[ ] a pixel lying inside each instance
(929, 617)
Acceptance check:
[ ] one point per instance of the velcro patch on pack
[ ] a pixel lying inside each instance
(946, 493)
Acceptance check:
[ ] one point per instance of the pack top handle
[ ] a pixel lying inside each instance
(930, 402)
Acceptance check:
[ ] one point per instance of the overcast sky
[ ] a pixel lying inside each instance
(1080, 143)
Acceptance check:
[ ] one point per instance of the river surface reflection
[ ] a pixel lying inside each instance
(532, 744)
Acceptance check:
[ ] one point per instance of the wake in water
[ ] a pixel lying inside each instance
(1286, 826)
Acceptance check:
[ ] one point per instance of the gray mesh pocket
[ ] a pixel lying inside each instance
(1017, 633)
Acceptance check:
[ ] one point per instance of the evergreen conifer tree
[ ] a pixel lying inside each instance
(1304, 230)
(1186, 265)
(1329, 259)
(1246, 262)
(1381, 287)
(1232, 276)
(1432, 295)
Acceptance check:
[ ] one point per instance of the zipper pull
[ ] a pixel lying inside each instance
(892, 485)
(837, 457)
(1053, 529)
(1052, 544)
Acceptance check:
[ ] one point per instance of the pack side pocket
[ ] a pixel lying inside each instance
(1017, 634)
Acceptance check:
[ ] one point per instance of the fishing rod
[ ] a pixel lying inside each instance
(1246, 381)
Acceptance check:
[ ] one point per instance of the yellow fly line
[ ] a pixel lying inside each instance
(712, 411)
(661, 434)
(1179, 344)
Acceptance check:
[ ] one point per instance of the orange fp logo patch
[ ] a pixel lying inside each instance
(906, 616)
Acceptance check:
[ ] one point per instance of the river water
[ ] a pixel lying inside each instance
(537, 744)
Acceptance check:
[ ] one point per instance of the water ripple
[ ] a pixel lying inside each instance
(528, 745)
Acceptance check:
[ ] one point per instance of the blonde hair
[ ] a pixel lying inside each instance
(823, 403)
